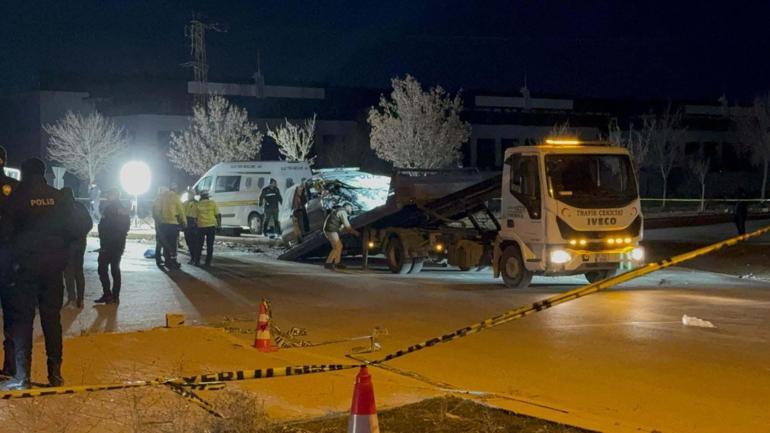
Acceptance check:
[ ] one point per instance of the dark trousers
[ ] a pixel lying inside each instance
(38, 285)
(208, 234)
(159, 250)
(191, 239)
(271, 215)
(6, 294)
(109, 264)
(74, 280)
(170, 235)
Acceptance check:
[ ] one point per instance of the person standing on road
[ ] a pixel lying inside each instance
(299, 213)
(95, 197)
(113, 230)
(191, 230)
(172, 216)
(156, 220)
(335, 222)
(42, 222)
(7, 186)
(74, 279)
(208, 219)
(271, 199)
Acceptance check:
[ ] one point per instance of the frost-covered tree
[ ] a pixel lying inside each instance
(562, 129)
(416, 128)
(636, 142)
(218, 132)
(666, 143)
(294, 141)
(700, 167)
(84, 144)
(752, 125)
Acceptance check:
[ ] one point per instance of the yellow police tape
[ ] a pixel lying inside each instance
(518, 313)
(194, 398)
(202, 382)
(214, 381)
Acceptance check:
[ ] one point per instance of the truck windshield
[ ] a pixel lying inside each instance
(590, 181)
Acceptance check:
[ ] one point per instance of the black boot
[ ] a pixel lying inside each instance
(54, 373)
(19, 381)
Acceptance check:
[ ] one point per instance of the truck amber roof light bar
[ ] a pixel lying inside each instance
(573, 142)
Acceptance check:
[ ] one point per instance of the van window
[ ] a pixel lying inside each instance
(227, 184)
(203, 185)
(261, 183)
(248, 183)
(289, 182)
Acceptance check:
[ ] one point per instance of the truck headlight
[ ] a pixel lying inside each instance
(560, 257)
(637, 254)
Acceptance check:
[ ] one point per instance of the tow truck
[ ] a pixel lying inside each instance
(566, 208)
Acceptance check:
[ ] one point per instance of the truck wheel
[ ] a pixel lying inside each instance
(594, 276)
(417, 264)
(255, 224)
(398, 262)
(515, 275)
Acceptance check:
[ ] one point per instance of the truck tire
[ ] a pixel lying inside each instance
(417, 264)
(398, 262)
(594, 276)
(255, 224)
(515, 275)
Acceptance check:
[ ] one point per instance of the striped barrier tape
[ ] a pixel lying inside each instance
(518, 313)
(202, 382)
(195, 399)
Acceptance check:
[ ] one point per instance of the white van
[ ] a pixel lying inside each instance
(236, 186)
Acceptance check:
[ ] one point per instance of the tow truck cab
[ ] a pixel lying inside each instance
(567, 208)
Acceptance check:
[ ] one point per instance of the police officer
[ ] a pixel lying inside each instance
(159, 242)
(74, 279)
(208, 219)
(38, 220)
(191, 231)
(172, 215)
(335, 222)
(271, 199)
(113, 230)
(7, 187)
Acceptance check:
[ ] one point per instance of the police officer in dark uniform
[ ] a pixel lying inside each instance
(37, 220)
(7, 187)
(271, 199)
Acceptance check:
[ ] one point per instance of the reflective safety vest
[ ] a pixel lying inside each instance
(207, 213)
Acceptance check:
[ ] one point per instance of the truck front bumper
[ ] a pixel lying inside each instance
(563, 261)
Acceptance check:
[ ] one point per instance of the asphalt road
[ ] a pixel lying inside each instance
(621, 359)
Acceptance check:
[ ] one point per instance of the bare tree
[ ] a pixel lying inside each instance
(666, 143)
(562, 129)
(637, 142)
(752, 125)
(84, 144)
(294, 141)
(416, 128)
(218, 132)
(700, 167)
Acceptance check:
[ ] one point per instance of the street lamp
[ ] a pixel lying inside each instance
(135, 180)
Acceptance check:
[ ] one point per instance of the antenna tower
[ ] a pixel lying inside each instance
(196, 31)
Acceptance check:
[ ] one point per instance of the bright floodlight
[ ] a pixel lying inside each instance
(135, 177)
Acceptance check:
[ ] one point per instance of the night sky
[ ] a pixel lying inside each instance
(643, 49)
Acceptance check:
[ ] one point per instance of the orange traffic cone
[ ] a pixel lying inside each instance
(363, 413)
(263, 342)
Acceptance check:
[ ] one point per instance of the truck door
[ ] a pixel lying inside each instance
(522, 204)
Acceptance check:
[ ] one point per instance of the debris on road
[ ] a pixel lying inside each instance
(696, 322)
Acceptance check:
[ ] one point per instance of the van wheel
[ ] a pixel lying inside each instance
(417, 264)
(594, 276)
(255, 224)
(398, 262)
(515, 275)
